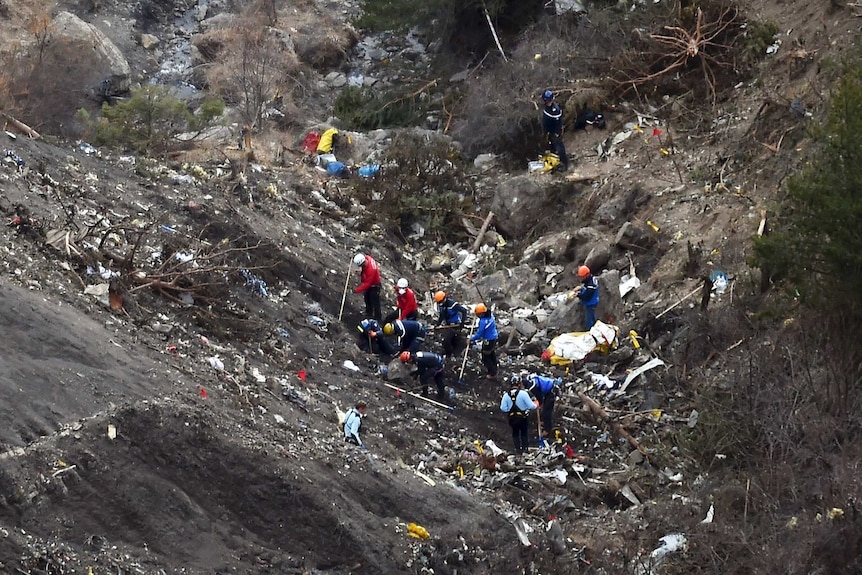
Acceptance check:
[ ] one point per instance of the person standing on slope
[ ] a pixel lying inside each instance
(552, 124)
(486, 331)
(369, 284)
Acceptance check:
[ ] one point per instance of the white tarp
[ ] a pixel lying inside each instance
(576, 346)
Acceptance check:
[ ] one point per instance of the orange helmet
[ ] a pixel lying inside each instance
(405, 356)
(583, 271)
(480, 308)
(439, 296)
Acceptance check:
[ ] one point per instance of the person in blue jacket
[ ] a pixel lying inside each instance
(544, 389)
(452, 316)
(589, 295)
(487, 332)
(428, 366)
(552, 124)
(411, 334)
(371, 338)
(518, 404)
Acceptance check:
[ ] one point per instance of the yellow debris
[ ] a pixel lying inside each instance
(417, 531)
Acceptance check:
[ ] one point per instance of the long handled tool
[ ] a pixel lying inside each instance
(539, 429)
(346, 285)
(466, 351)
(417, 396)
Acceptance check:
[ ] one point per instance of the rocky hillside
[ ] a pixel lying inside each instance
(180, 333)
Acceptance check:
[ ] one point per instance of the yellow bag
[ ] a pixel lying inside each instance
(417, 531)
(550, 162)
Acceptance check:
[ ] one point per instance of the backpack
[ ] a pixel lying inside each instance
(309, 144)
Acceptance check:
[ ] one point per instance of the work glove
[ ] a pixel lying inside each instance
(476, 346)
(558, 382)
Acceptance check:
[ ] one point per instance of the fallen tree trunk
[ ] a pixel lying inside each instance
(618, 430)
(478, 243)
(20, 126)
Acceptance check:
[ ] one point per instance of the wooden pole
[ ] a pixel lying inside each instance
(346, 286)
(697, 289)
(494, 33)
(478, 242)
(466, 351)
(417, 396)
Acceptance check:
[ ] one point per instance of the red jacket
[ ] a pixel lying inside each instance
(406, 303)
(370, 275)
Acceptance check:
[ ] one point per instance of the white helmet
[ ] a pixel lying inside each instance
(402, 283)
(359, 259)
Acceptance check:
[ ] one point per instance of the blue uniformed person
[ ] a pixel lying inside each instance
(371, 338)
(411, 334)
(486, 331)
(428, 366)
(544, 389)
(589, 295)
(518, 404)
(552, 124)
(451, 317)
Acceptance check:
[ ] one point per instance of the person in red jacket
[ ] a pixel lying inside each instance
(405, 299)
(369, 284)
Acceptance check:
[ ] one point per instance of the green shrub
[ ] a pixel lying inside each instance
(150, 120)
(363, 110)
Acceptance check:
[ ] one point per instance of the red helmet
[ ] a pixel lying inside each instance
(405, 356)
(583, 271)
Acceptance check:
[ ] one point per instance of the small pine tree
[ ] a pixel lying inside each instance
(150, 119)
(818, 245)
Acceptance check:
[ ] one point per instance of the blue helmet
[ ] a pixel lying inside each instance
(547, 95)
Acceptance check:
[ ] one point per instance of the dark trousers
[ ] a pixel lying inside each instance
(379, 344)
(546, 412)
(437, 376)
(453, 341)
(372, 302)
(520, 432)
(489, 356)
(555, 141)
(415, 344)
(590, 316)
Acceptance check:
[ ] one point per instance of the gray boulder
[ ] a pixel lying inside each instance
(551, 248)
(97, 50)
(634, 236)
(504, 287)
(518, 202)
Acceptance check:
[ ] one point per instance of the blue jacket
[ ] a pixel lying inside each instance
(540, 385)
(522, 405)
(451, 312)
(552, 118)
(366, 326)
(589, 294)
(487, 329)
